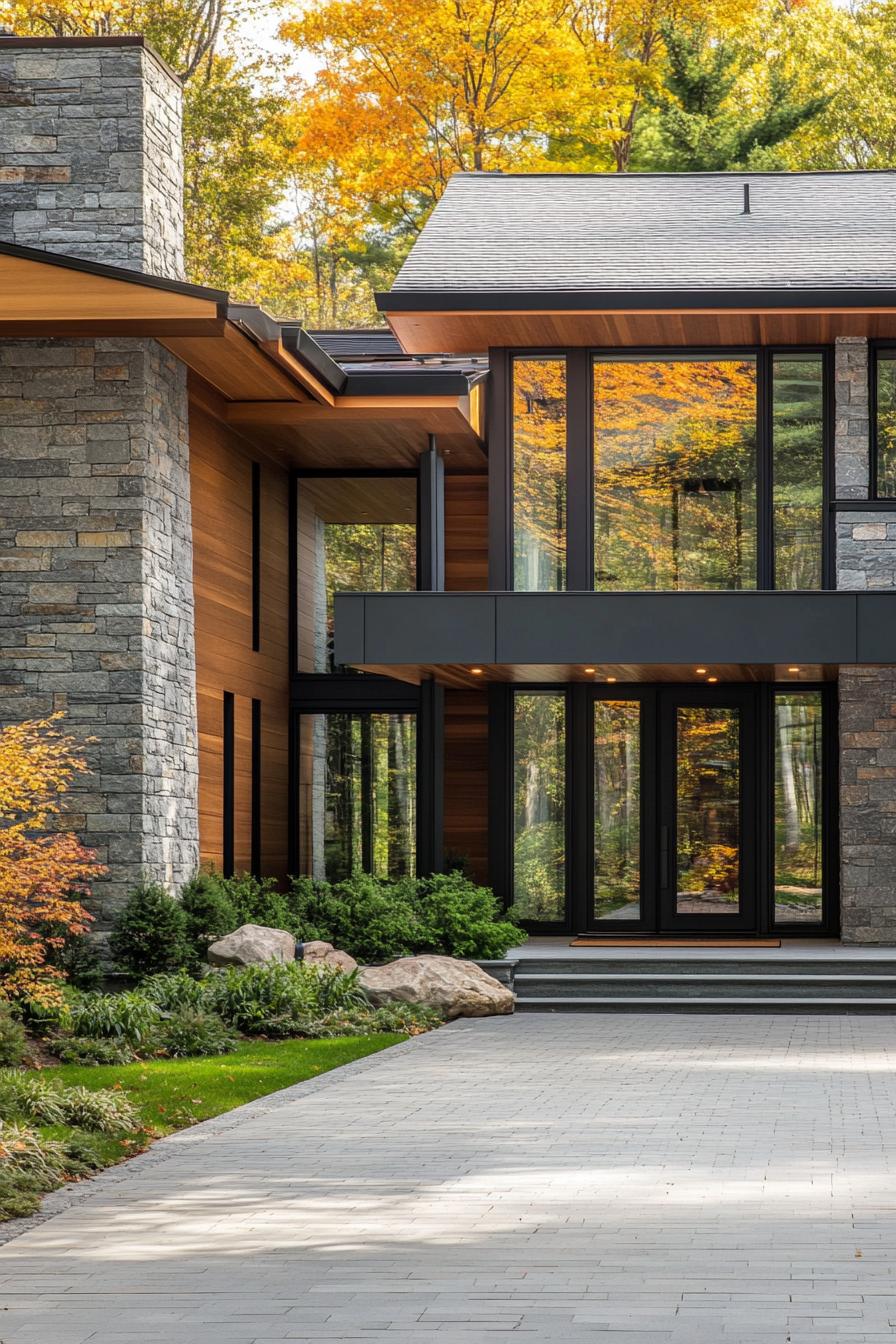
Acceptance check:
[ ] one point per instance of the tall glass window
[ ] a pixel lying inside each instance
(354, 535)
(798, 469)
(357, 795)
(799, 852)
(675, 473)
(539, 475)
(885, 411)
(617, 809)
(539, 805)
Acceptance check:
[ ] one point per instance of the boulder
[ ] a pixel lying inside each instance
(318, 953)
(456, 988)
(252, 945)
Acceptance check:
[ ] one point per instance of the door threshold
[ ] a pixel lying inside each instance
(648, 940)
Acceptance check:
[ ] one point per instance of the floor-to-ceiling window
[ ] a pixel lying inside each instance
(539, 805)
(706, 471)
(798, 798)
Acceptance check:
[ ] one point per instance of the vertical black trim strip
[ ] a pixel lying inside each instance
(873, 460)
(227, 790)
(292, 817)
(579, 473)
(430, 778)
(431, 521)
(366, 793)
(293, 575)
(765, 543)
(500, 792)
(765, 812)
(829, 482)
(255, 855)
(500, 473)
(256, 557)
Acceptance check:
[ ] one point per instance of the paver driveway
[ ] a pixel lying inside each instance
(650, 1178)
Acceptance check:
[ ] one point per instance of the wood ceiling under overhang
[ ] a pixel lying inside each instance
(467, 330)
(255, 385)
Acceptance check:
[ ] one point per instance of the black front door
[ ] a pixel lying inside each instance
(674, 810)
(706, 810)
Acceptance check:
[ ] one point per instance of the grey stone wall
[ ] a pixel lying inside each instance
(91, 161)
(96, 588)
(96, 562)
(868, 804)
(866, 550)
(851, 432)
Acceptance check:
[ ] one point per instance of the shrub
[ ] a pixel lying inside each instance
(150, 932)
(374, 921)
(44, 871)
(192, 1031)
(272, 999)
(256, 900)
(12, 1038)
(409, 1018)
(209, 913)
(44, 1102)
(173, 990)
(378, 921)
(20, 1192)
(461, 919)
(129, 1016)
(91, 1050)
(30, 1153)
(83, 1153)
(75, 956)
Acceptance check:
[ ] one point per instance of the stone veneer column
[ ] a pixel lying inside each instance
(96, 563)
(91, 157)
(866, 559)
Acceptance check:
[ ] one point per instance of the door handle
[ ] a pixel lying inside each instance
(664, 857)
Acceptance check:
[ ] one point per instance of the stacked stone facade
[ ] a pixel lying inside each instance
(91, 158)
(96, 564)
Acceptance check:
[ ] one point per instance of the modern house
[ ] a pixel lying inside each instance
(582, 573)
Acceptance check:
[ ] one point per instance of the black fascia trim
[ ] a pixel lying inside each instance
(618, 300)
(306, 349)
(416, 382)
(68, 263)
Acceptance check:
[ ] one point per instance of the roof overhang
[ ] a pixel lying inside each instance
(270, 381)
(535, 637)
(462, 322)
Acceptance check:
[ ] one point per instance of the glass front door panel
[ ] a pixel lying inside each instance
(799, 852)
(707, 842)
(617, 809)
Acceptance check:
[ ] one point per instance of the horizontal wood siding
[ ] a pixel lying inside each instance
(221, 475)
(466, 779)
(466, 533)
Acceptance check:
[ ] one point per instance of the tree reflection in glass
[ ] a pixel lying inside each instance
(358, 795)
(617, 809)
(798, 468)
(675, 473)
(539, 475)
(798, 787)
(539, 805)
(707, 807)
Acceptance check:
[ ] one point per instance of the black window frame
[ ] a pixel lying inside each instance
(580, 362)
(579, 812)
(875, 498)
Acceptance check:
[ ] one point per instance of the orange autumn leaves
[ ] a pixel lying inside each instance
(43, 872)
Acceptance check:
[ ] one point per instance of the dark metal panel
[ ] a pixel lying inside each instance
(579, 473)
(431, 520)
(875, 628)
(451, 627)
(348, 629)
(500, 508)
(629, 300)
(326, 693)
(533, 628)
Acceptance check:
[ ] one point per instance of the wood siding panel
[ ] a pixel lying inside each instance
(466, 779)
(466, 533)
(221, 477)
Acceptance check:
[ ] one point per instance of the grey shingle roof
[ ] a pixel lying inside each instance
(553, 233)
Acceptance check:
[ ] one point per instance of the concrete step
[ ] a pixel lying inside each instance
(704, 1004)
(835, 967)
(694, 985)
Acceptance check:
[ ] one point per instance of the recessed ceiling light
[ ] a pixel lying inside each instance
(712, 678)
(477, 671)
(701, 671)
(611, 678)
(590, 669)
(793, 669)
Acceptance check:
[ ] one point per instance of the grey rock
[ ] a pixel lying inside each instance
(456, 988)
(252, 945)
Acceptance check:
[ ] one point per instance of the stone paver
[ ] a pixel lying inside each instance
(691, 1179)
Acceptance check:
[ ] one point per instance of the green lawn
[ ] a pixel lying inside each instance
(172, 1093)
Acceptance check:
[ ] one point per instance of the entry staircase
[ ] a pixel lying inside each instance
(682, 982)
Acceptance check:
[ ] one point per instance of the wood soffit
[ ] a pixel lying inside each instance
(256, 386)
